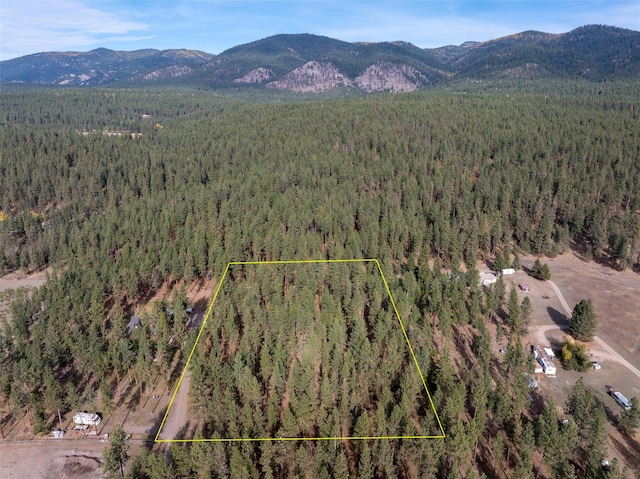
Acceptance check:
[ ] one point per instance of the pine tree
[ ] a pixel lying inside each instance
(515, 321)
(525, 311)
(116, 455)
(516, 262)
(366, 469)
(629, 419)
(540, 271)
(583, 321)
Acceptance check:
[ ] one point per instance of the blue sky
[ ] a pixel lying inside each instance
(31, 26)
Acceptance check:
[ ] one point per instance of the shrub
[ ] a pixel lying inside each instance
(574, 356)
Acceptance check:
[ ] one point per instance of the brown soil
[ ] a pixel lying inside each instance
(56, 459)
(18, 280)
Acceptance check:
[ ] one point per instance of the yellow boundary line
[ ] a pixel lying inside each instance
(337, 438)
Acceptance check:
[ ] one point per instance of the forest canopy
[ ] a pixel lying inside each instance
(119, 192)
(303, 347)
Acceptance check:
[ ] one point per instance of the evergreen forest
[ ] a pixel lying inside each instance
(311, 332)
(117, 193)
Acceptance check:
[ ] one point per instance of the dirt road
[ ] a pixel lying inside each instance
(178, 411)
(18, 280)
(561, 298)
(612, 353)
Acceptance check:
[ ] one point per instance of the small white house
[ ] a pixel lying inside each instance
(508, 271)
(487, 278)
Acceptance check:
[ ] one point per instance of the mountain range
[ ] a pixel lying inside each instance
(311, 63)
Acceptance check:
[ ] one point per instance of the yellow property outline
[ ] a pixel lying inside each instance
(337, 438)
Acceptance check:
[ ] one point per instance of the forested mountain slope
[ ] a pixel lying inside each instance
(312, 63)
(121, 191)
(100, 66)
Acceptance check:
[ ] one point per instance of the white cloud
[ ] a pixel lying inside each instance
(30, 26)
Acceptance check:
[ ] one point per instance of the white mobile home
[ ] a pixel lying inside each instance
(87, 419)
(548, 367)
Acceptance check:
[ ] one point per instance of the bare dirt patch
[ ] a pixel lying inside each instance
(12, 283)
(56, 459)
(18, 280)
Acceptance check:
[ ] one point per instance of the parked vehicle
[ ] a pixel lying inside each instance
(619, 397)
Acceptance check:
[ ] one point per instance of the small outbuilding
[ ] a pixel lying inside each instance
(524, 287)
(134, 323)
(487, 278)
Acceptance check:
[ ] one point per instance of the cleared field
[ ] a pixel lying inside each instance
(615, 296)
(616, 299)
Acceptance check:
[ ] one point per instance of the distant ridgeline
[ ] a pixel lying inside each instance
(311, 63)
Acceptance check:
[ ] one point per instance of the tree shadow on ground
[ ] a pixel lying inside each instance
(627, 447)
(611, 416)
(555, 345)
(125, 393)
(559, 318)
(489, 264)
(133, 402)
(150, 443)
(183, 432)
